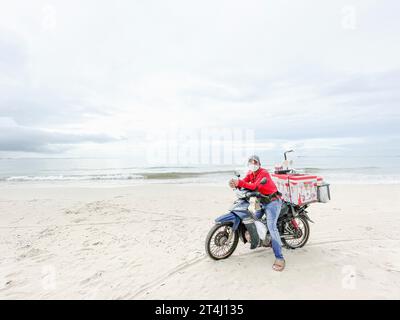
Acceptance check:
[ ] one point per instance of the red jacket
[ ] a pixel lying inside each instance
(253, 179)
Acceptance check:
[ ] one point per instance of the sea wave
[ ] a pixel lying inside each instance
(71, 178)
(333, 169)
(364, 175)
(108, 177)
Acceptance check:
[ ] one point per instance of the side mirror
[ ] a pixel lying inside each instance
(263, 181)
(237, 174)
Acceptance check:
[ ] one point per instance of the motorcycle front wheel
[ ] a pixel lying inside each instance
(221, 241)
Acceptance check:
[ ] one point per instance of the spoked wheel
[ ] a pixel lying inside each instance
(221, 241)
(296, 237)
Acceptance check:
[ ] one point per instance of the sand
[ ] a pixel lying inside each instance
(147, 242)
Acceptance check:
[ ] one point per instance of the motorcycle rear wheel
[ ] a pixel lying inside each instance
(303, 239)
(216, 242)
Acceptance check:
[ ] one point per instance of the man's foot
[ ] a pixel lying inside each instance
(279, 265)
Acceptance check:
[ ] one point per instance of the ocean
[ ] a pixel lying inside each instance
(335, 170)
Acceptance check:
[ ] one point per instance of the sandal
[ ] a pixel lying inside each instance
(279, 265)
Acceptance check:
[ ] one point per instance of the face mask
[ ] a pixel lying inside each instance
(254, 167)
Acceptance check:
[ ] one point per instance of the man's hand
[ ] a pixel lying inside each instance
(233, 183)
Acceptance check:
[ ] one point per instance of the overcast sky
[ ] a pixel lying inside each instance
(95, 78)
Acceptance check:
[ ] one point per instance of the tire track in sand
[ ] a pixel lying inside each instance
(151, 284)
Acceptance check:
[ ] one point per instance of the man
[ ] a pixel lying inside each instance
(252, 181)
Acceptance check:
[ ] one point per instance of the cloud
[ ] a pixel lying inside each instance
(19, 138)
(13, 58)
(288, 71)
(44, 107)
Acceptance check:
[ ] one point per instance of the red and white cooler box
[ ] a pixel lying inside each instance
(301, 189)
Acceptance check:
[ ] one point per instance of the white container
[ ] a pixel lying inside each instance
(282, 183)
(324, 193)
(303, 190)
(298, 189)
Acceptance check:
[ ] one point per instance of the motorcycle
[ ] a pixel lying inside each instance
(251, 226)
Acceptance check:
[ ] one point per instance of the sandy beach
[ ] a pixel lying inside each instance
(147, 242)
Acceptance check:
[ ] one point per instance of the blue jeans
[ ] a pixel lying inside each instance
(272, 211)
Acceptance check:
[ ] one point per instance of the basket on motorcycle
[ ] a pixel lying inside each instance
(324, 193)
(299, 189)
